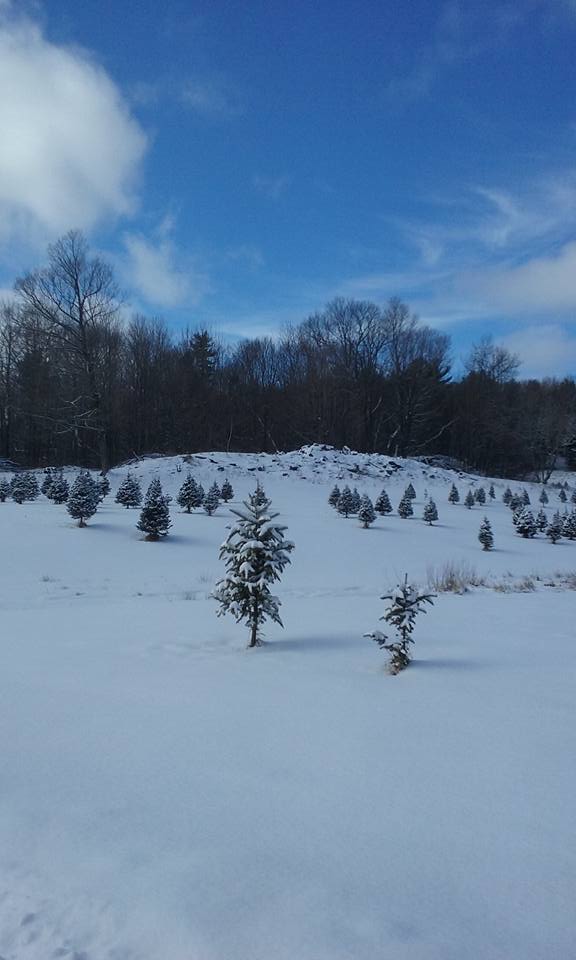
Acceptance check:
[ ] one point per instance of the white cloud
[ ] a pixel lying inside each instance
(70, 150)
(271, 187)
(546, 350)
(157, 275)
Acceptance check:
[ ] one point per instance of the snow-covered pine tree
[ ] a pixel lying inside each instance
(410, 492)
(469, 500)
(24, 487)
(405, 605)
(562, 495)
(485, 535)
(355, 501)
(345, 502)
(569, 526)
(405, 508)
(83, 498)
(515, 503)
(554, 528)
(212, 499)
(255, 554)
(453, 496)
(49, 474)
(155, 514)
(366, 512)
(492, 492)
(4, 490)
(383, 505)
(526, 524)
(334, 496)
(543, 498)
(480, 495)
(59, 489)
(226, 492)
(430, 512)
(187, 495)
(103, 486)
(525, 496)
(507, 496)
(129, 492)
(541, 520)
(260, 493)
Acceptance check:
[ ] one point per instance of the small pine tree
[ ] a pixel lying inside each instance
(49, 474)
(543, 498)
(405, 605)
(129, 492)
(492, 492)
(212, 499)
(469, 500)
(59, 489)
(355, 501)
(345, 502)
(334, 496)
(525, 497)
(4, 490)
(569, 526)
(24, 487)
(541, 520)
(430, 512)
(155, 514)
(410, 492)
(366, 512)
(226, 493)
(260, 494)
(516, 503)
(383, 505)
(526, 524)
(480, 495)
(562, 496)
(255, 554)
(83, 499)
(453, 496)
(554, 528)
(103, 486)
(187, 495)
(405, 508)
(485, 535)
(507, 496)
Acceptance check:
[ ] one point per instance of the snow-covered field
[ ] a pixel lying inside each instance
(167, 795)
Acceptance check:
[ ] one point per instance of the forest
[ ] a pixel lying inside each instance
(80, 383)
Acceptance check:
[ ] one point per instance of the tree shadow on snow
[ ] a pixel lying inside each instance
(449, 663)
(311, 644)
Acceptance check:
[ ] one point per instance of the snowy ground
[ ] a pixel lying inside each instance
(167, 795)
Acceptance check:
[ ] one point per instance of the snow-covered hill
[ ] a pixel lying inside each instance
(167, 795)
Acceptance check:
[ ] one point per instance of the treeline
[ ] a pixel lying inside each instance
(80, 385)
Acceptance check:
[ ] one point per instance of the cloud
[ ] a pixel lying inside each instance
(71, 151)
(546, 350)
(271, 187)
(158, 275)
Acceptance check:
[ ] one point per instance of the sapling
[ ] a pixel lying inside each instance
(485, 535)
(405, 605)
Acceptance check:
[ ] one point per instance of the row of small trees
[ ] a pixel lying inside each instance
(349, 502)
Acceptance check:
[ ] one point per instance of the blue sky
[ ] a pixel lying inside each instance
(242, 163)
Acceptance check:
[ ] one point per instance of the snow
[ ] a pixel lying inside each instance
(168, 795)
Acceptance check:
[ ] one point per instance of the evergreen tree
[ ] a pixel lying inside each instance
(345, 502)
(59, 489)
(492, 492)
(260, 493)
(469, 499)
(430, 512)
(212, 499)
(383, 505)
(569, 526)
(226, 493)
(410, 492)
(129, 492)
(507, 496)
(526, 524)
(255, 554)
(103, 486)
(405, 508)
(480, 495)
(554, 529)
(485, 535)
(562, 496)
(187, 495)
(334, 497)
(543, 496)
(49, 474)
(355, 501)
(83, 499)
(525, 497)
(4, 490)
(405, 605)
(541, 520)
(366, 512)
(516, 503)
(453, 496)
(24, 486)
(155, 514)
